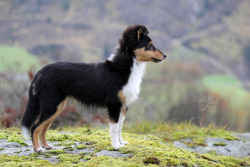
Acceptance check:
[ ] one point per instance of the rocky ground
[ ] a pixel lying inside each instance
(220, 146)
(85, 147)
(13, 148)
(235, 148)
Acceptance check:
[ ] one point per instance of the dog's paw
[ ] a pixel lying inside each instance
(40, 150)
(118, 146)
(123, 142)
(48, 147)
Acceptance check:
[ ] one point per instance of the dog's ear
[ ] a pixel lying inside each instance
(132, 36)
(139, 32)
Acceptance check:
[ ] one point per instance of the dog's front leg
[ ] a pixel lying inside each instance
(114, 114)
(114, 128)
(120, 122)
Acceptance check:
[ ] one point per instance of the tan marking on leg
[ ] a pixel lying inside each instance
(111, 121)
(36, 133)
(44, 127)
(43, 135)
(124, 110)
(49, 122)
(122, 97)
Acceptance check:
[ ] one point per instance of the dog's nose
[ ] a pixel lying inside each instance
(164, 56)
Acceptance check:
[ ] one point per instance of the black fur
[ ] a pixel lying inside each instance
(94, 84)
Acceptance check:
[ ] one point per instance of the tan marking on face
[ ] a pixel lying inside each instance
(45, 126)
(121, 96)
(146, 55)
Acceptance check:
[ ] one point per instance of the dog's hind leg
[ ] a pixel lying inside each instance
(47, 125)
(35, 131)
(48, 108)
(120, 122)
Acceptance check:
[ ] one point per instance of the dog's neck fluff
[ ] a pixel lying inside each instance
(132, 88)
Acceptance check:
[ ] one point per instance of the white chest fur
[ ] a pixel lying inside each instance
(132, 88)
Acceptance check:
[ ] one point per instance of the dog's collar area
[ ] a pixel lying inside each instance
(139, 62)
(136, 62)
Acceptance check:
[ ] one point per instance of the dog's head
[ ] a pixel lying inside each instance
(136, 41)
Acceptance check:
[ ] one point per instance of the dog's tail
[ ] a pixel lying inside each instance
(30, 115)
(32, 109)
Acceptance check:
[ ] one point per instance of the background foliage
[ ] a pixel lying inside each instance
(204, 79)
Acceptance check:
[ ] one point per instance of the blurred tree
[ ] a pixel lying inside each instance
(246, 54)
(246, 59)
(188, 107)
(65, 5)
(53, 51)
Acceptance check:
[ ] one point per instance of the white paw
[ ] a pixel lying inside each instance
(40, 150)
(48, 147)
(123, 142)
(118, 146)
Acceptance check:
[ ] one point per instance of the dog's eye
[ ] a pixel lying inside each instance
(150, 47)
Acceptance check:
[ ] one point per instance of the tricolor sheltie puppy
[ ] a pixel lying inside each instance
(113, 84)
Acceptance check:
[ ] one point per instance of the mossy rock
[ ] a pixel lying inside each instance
(219, 144)
(144, 148)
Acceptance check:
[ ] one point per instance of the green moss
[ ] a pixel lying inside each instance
(68, 148)
(17, 139)
(174, 131)
(47, 155)
(144, 148)
(6, 133)
(13, 135)
(189, 144)
(60, 137)
(151, 160)
(166, 153)
(56, 152)
(34, 154)
(212, 152)
(2, 135)
(109, 161)
(219, 144)
(88, 157)
(81, 146)
(66, 143)
(230, 161)
(73, 158)
(199, 141)
(15, 160)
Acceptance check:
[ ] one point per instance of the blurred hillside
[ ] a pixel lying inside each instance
(56, 29)
(205, 78)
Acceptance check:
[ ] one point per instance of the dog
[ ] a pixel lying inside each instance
(113, 84)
